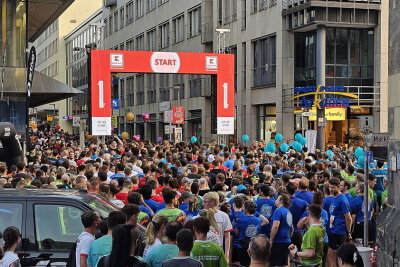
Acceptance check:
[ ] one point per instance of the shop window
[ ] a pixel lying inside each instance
(266, 122)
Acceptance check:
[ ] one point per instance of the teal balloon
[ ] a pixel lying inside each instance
(223, 145)
(284, 148)
(245, 138)
(298, 137)
(193, 139)
(359, 152)
(360, 161)
(278, 138)
(297, 146)
(270, 148)
(303, 141)
(330, 154)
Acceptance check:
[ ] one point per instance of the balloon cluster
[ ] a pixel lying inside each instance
(359, 153)
(193, 139)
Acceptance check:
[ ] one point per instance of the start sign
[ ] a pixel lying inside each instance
(104, 63)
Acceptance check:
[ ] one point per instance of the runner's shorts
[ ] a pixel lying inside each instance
(336, 240)
(279, 254)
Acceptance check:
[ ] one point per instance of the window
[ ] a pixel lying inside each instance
(304, 59)
(178, 81)
(164, 35)
(110, 25)
(179, 29)
(129, 13)
(57, 227)
(164, 90)
(116, 21)
(130, 91)
(266, 122)
(227, 8)
(151, 88)
(264, 72)
(139, 8)
(195, 21)
(349, 57)
(263, 4)
(10, 214)
(151, 5)
(152, 40)
(140, 89)
(121, 18)
(253, 8)
(140, 42)
(219, 3)
(129, 45)
(161, 2)
(122, 46)
(234, 10)
(195, 85)
(244, 15)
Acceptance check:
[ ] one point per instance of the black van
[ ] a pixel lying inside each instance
(49, 220)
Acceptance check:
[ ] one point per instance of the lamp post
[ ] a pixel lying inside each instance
(54, 116)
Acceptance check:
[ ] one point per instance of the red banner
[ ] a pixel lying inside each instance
(178, 115)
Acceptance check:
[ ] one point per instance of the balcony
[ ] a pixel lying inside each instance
(288, 4)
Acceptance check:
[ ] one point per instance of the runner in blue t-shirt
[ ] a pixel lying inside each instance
(266, 207)
(339, 220)
(357, 209)
(303, 193)
(297, 208)
(247, 227)
(281, 231)
(380, 173)
(236, 213)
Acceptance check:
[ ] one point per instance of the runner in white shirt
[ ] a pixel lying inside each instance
(90, 221)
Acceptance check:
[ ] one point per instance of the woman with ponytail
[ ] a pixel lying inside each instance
(348, 256)
(11, 237)
(155, 231)
(214, 233)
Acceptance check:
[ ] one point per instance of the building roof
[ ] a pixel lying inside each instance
(41, 13)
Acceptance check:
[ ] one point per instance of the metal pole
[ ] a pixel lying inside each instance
(54, 117)
(320, 80)
(366, 197)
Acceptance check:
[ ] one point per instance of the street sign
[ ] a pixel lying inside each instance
(114, 121)
(163, 106)
(380, 139)
(169, 129)
(76, 121)
(321, 122)
(370, 157)
(311, 137)
(308, 114)
(115, 103)
(178, 135)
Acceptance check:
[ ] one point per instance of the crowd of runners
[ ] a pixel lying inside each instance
(206, 204)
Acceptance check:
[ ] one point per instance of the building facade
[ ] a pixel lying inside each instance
(51, 52)
(278, 45)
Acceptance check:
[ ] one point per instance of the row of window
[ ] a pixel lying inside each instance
(76, 47)
(258, 5)
(51, 70)
(52, 28)
(47, 52)
(117, 21)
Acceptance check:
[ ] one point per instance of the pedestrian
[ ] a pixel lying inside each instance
(348, 256)
(259, 251)
(12, 238)
(102, 246)
(168, 250)
(209, 253)
(90, 220)
(184, 241)
(171, 201)
(124, 249)
(155, 231)
(281, 231)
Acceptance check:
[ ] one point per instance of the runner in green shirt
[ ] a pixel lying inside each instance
(209, 253)
(312, 249)
(173, 214)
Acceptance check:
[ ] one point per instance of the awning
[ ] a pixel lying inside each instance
(44, 88)
(41, 13)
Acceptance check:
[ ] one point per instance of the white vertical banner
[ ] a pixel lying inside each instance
(311, 136)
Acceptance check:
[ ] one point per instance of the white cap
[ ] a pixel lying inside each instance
(210, 158)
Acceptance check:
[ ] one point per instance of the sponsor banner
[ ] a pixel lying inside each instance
(331, 114)
(101, 126)
(225, 125)
(165, 62)
(168, 114)
(178, 115)
(114, 121)
(311, 136)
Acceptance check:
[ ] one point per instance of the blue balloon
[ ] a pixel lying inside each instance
(298, 137)
(359, 152)
(270, 147)
(303, 141)
(297, 146)
(360, 161)
(284, 147)
(278, 138)
(193, 139)
(245, 138)
(330, 154)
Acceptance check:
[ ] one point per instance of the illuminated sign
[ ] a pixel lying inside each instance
(331, 114)
(330, 93)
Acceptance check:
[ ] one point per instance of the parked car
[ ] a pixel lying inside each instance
(49, 220)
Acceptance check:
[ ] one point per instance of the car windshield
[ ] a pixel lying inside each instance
(100, 205)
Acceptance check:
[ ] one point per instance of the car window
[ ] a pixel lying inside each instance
(57, 227)
(101, 206)
(10, 215)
